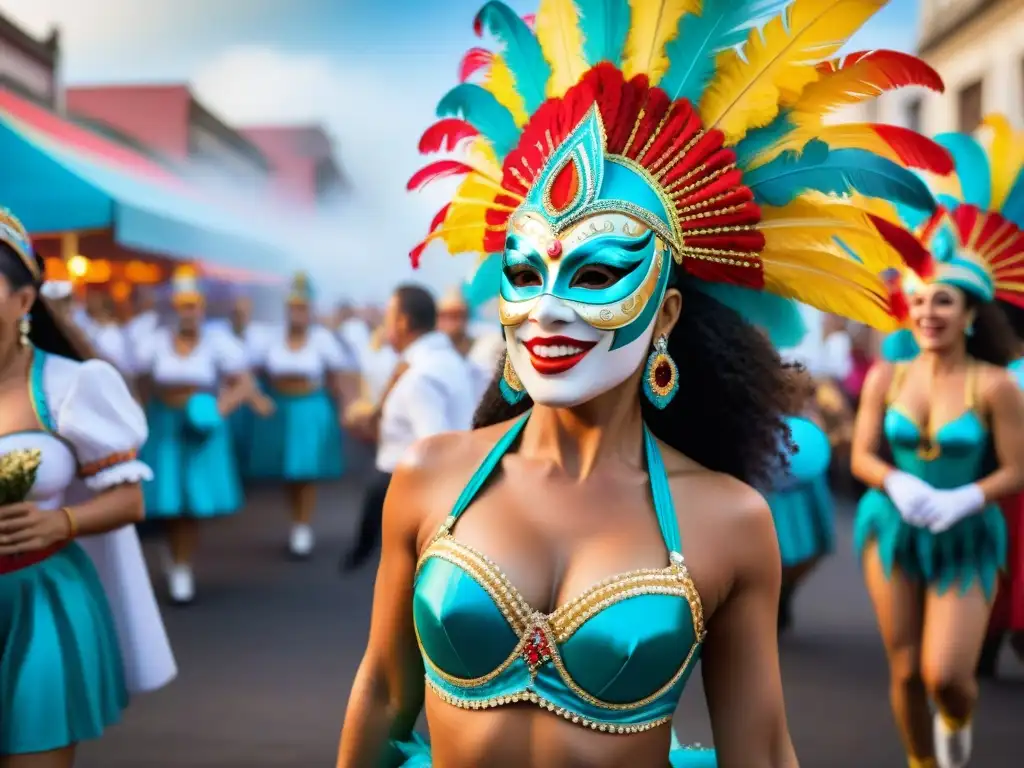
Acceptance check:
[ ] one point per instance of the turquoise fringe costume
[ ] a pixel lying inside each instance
(974, 549)
(61, 672)
(801, 503)
(191, 454)
(300, 442)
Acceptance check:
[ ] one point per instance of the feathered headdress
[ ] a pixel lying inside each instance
(14, 234)
(185, 286)
(700, 123)
(302, 290)
(975, 238)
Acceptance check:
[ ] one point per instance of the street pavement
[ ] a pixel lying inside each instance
(268, 652)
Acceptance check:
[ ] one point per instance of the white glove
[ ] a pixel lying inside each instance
(944, 509)
(908, 494)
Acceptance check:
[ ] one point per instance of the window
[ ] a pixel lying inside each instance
(913, 114)
(969, 107)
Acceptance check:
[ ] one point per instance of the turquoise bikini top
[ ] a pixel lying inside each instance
(947, 456)
(615, 658)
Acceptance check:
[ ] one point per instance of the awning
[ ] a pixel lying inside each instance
(60, 177)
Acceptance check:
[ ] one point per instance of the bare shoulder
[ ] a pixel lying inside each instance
(880, 375)
(995, 382)
(435, 470)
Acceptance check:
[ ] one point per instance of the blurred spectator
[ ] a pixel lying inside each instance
(453, 320)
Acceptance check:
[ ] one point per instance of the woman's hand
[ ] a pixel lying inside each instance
(262, 404)
(27, 528)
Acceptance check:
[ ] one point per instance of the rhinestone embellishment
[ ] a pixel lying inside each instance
(536, 650)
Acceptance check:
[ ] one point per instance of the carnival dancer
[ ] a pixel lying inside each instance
(104, 331)
(801, 499)
(195, 381)
(241, 422)
(930, 533)
(301, 444)
(453, 320)
(627, 217)
(79, 625)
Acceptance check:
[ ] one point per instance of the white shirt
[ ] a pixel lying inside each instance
(322, 352)
(215, 354)
(436, 394)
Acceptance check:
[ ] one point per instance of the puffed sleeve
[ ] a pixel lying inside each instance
(145, 348)
(334, 355)
(104, 425)
(230, 353)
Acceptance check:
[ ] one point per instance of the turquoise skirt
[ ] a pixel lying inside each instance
(61, 675)
(300, 442)
(804, 517)
(241, 424)
(194, 470)
(973, 550)
(415, 753)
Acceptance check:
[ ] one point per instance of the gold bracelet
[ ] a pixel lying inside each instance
(72, 522)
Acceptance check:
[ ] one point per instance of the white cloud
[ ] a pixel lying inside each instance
(376, 118)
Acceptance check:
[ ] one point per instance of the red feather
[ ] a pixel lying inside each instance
(438, 219)
(445, 135)
(531, 21)
(416, 253)
(915, 150)
(887, 69)
(914, 254)
(898, 305)
(439, 170)
(475, 59)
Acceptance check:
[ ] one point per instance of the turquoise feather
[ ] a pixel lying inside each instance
(520, 50)
(762, 139)
(911, 217)
(721, 24)
(971, 167)
(839, 171)
(483, 286)
(780, 318)
(900, 346)
(482, 110)
(604, 25)
(1013, 206)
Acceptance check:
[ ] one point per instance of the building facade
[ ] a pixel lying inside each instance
(30, 67)
(977, 47)
(302, 162)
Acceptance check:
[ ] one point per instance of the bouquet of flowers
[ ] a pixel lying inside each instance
(18, 473)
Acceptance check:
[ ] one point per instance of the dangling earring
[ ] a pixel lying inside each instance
(511, 387)
(24, 329)
(970, 330)
(661, 377)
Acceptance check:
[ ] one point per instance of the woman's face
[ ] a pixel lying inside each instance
(190, 315)
(298, 315)
(939, 317)
(580, 308)
(14, 305)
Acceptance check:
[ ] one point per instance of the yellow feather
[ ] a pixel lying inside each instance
(465, 223)
(778, 62)
(480, 154)
(813, 223)
(654, 24)
(831, 281)
(1006, 157)
(558, 32)
(500, 82)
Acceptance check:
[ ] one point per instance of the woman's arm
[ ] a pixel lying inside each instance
(1005, 405)
(115, 508)
(742, 681)
(387, 694)
(866, 465)
(241, 389)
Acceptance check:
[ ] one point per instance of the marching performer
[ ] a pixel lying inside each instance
(930, 532)
(79, 625)
(196, 380)
(301, 443)
(622, 171)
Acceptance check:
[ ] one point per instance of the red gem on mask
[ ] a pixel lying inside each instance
(555, 249)
(663, 374)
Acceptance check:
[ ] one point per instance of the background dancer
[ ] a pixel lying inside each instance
(74, 641)
(300, 444)
(931, 535)
(195, 381)
(616, 210)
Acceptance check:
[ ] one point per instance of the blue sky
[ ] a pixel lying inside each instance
(371, 72)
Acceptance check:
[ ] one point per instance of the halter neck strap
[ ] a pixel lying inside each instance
(661, 493)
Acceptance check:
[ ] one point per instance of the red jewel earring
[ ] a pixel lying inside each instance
(661, 376)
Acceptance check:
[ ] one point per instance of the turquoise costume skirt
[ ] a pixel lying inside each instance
(241, 424)
(415, 753)
(61, 675)
(300, 442)
(193, 460)
(804, 517)
(973, 550)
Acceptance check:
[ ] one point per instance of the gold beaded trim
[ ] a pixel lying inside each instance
(533, 698)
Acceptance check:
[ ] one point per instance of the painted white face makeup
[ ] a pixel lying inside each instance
(564, 361)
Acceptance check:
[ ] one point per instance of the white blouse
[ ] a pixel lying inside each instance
(215, 354)
(321, 353)
(97, 429)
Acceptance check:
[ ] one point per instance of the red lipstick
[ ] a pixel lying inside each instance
(547, 362)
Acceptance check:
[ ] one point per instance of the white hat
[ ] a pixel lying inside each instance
(55, 290)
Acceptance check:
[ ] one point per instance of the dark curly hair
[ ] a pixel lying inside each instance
(993, 339)
(734, 392)
(1015, 316)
